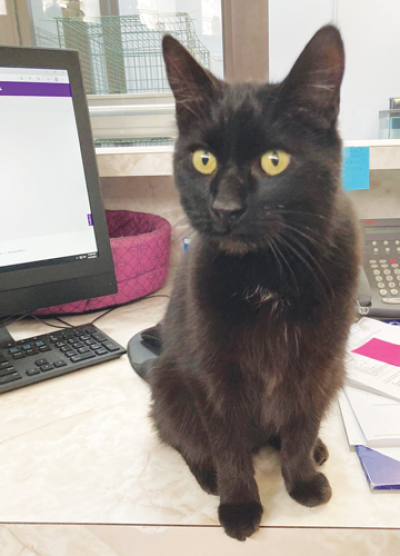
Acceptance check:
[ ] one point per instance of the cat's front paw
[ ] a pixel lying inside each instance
(240, 520)
(312, 492)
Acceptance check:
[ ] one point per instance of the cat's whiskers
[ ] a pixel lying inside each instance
(274, 246)
(321, 247)
(317, 240)
(312, 269)
(296, 212)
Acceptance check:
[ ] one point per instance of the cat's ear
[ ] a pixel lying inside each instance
(313, 84)
(192, 85)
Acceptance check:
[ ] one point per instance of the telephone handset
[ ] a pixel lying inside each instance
(379, 281)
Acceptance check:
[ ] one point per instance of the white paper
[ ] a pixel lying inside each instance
(354, 433)
(3, 7)
(351, 425)
(368, 373)
(378, 417)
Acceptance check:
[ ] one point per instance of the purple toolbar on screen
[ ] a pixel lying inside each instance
(19, 89)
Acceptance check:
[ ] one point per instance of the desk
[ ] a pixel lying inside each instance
(82, 473)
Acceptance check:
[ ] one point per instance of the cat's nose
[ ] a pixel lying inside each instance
(227, 210)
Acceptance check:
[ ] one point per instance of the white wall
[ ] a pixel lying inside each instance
(372, 39)
(292, 23)
(370, 30)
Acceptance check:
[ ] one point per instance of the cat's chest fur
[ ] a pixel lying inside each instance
(259, 330)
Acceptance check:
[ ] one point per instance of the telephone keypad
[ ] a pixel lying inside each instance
(389, 288)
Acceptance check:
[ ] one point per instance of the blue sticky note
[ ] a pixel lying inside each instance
(355, 170)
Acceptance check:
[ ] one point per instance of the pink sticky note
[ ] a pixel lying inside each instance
(381, 351)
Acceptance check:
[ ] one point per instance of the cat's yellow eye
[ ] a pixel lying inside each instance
(204, 162)
(275, 162)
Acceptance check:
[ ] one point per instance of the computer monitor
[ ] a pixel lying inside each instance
(54, 242)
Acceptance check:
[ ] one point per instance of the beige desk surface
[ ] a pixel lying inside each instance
(82, 473)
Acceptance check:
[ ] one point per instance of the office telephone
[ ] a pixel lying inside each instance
(379, 285)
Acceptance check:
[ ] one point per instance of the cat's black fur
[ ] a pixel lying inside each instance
(255, 331)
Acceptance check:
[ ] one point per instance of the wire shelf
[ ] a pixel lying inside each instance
(120, 54)
(151, 142)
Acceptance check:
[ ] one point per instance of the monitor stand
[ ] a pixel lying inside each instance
(6, 340)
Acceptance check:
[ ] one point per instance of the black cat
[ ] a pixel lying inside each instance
(255, 332)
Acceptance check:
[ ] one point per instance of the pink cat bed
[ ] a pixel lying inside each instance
(141, 245)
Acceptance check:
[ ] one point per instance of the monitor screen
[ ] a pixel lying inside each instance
(54, 245)
(46, 216)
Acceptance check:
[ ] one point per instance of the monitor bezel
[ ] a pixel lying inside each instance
(24, 290)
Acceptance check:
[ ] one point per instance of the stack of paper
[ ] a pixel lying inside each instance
(370, 402)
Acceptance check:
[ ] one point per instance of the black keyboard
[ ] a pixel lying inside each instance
(50, 355)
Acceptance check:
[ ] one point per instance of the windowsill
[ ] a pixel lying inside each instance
(157, 161)
(134, 161)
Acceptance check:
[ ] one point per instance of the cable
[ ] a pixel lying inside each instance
(47, 323)
(69, 325)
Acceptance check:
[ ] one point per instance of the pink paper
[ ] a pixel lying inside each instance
(381, 351)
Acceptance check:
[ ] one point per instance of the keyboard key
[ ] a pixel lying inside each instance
(4, 364)
(90, 342)
(110, 346)
(65, 348)
(40, 362)
(77, 345)
(83, 350)
(10, 378)
(14, 350)
(99, 337)
(47, 367)
(19, 355)
(60, 363)
(71, 340)
(82, 357)
(32, 372)
(70, 353)
(27, 346)
(59, 344)
(101, 351)
(39, 343)
(84, 338)
(5, 372)
(45, 348)
(32, 352)
(94, 347)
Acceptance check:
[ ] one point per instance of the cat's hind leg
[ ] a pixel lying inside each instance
(304, 484)
(320, 452)
(179, 424)
(205, 474)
